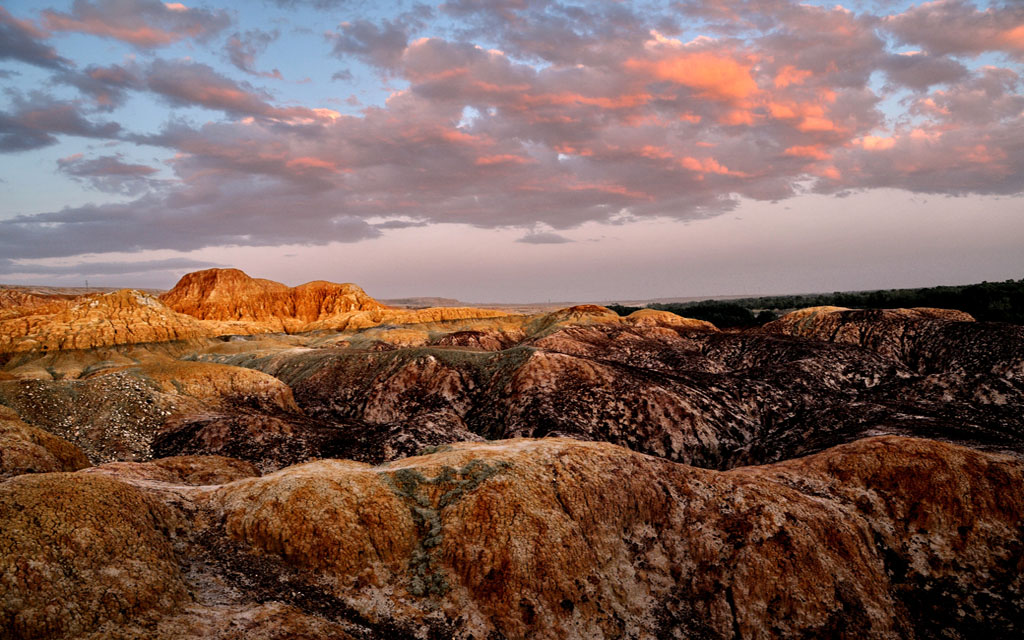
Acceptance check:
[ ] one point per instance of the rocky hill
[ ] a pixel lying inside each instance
(204, 304)
(121, 317)
(555, 538)
(230, 294)
(207, 470)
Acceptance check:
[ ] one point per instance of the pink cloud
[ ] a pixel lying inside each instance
(791, 75)
(143, 23)
(594, 115)
(712, 76)
(22, 40)
(813, 151)
(959, 27)
(501, 159)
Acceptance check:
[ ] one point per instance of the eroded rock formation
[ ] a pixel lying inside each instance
(679, 390)
(375, 475)
(26, 449)
(230, 294)
(121, 317)
(883, 538)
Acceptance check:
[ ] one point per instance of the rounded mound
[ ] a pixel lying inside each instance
(26, 449)
(189, 470)
(77, 551)
(654, 317)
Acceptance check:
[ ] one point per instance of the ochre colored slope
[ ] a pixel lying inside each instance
(230, 294)
(121, 317)
(562, 539)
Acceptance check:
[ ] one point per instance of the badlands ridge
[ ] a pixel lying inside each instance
(240, 459)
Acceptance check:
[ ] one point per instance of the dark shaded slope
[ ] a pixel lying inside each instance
(701, 397)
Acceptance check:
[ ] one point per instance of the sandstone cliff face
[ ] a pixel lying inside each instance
(230, 294)
(204, 304)
(16, 302)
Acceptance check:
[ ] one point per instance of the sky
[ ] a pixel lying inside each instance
(514, 150)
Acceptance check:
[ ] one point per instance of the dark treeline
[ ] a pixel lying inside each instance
(987, 301)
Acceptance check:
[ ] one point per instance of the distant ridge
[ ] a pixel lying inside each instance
(422, 302)
(232, 295)
(203, 304)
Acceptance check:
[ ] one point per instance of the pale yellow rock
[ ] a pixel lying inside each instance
(654, 317)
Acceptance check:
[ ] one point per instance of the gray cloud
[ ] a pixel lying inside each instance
(109, 173)
(145, 24)
(106, 87)
(243, 212)
(380, 45)
(179, 83)
(185, 83)
(21, 40)
(622, 122)
(242, 49)
(103, 268)
(543, 237)
(399, 224)
(920, 71)
(958, 27)
(34, 119)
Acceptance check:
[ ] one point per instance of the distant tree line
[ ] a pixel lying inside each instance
(987, 301)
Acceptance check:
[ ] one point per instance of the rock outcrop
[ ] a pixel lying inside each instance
(79, 551)
(659, 384)
(26, 449)
(203, 305)
(883, 538)
(690, 482)
(890, 332)
(181, 470)
(115, 413)
(679, 390)
(654, 318)
(121, 317)
(561, 539)
(18, 302)
(929, 341)
(230, 294)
